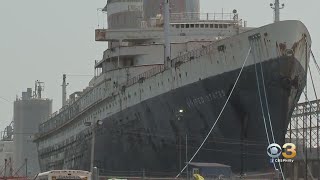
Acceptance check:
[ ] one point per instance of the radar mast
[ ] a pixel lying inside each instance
(276, 7)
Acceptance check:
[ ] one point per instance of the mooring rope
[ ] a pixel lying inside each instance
(218, 118)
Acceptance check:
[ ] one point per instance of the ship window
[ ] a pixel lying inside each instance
(211, 25)
(197, 25)
(186, 74)
(202, 25)
(225, 26)
(191, 25)
(182, 25)
(207, 25)
(187, 25)
(220, 25)
(177, 25)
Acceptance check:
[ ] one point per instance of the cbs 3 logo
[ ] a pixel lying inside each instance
(288, 150)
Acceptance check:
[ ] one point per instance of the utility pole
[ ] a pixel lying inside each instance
(93, 126)
(92, 148)
(187, 161)
(276, 7)
(166, 26)
(26, 162)
(5, 168)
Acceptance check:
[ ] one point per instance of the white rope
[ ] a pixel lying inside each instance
(267, 106)
(218, 116)
(259, 93)
(315, 62)
(266, 99)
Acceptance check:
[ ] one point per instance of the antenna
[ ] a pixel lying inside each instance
(64, 90)
(276, 7)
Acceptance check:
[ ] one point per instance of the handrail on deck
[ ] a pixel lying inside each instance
(196, 16)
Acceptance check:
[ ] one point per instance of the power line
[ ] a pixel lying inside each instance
(4, 99)
(88, 75)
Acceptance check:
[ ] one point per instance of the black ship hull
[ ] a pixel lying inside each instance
(151, 135)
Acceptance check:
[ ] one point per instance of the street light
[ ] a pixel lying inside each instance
(179, 115)
(93, 140)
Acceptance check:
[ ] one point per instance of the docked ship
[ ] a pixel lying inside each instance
(163, 82)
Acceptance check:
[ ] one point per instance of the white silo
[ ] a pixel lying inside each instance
(29, 111)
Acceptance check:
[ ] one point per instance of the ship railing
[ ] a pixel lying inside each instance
(174, 63)
(194, 54)
(197, 16)
(145, 75)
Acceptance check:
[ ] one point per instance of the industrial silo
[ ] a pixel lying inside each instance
(6, 151)
(124, 13)
(29, 111)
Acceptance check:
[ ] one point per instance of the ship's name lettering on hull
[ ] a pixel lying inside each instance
(196, 101)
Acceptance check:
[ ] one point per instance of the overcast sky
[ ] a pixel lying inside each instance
(42, 39)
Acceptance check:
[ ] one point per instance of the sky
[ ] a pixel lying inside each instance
(42, 40)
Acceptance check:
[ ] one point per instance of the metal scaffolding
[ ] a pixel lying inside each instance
(303, 131)
(304, 125)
